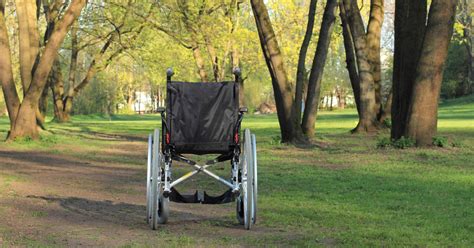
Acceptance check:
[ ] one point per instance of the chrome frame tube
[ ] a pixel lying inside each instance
(203, 169)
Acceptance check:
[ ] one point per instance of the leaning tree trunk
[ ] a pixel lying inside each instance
(410, 21)
(423, 109)
(314, 83)
(290, 131)
(351, 63)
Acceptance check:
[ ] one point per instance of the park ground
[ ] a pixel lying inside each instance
(83, 184)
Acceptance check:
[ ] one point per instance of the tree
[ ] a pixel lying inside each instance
(363, 58)
(289, 108)
(23, 114)
(290, 131)
(316, 75)
(414, 112)
(113, 39)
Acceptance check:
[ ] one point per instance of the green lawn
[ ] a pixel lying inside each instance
(349, 194)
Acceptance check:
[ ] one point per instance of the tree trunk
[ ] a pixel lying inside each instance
(301, 75)
(351, 63)
(235, 60)
(200, 63)
(290, 131)
(43, 102)
(28, 39)
(374, 29)
(387, 109)
(423, 109)
(57, 86)
(314, 83)
(25, 123)
(410, 21)
(213, 57)
(12, 100)
(466, 9)
(368, 115)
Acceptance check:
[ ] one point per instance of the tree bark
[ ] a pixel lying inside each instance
(12, 100)
(410, 24)
(351, 63)
(314, 83)
(368, 115)
(290, 131)
(28, 39)
(57, 87)
(423, 109)
(374, 29)
(301, 75)
(387, 109)
(213, 57)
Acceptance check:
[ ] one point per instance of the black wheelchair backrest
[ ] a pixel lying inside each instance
(202, 117)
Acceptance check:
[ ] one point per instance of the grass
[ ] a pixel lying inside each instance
(349, 194)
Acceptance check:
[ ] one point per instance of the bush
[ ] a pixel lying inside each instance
(440, 141)
(401, 143)
(387, 123)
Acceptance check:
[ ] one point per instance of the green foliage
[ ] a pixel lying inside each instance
(455, 76)
(100, 97)
(401, 143)
(440, 141)
(387, 123)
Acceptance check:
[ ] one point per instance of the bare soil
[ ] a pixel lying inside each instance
(65, 200)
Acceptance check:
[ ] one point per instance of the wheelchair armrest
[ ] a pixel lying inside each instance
(161, 110)
(243, 110)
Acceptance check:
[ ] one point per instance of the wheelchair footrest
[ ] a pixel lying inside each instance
(201, 197)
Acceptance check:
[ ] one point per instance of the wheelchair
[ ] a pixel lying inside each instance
(202, 119)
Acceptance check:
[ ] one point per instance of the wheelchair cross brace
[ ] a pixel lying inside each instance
(234, 185)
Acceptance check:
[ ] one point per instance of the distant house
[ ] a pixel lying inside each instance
(143, 102)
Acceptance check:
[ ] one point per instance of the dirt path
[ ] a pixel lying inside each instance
(62, 200)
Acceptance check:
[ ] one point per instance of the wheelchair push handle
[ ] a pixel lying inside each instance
(169, 73)
(237, 73)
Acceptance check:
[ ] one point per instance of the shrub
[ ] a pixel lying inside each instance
(387, 123)
(440, 141)
(403, 143)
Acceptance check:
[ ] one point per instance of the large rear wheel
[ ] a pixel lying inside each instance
(148, 179)
(155, 179)
(248, 182)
